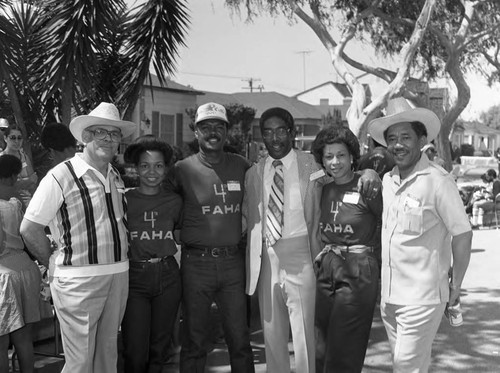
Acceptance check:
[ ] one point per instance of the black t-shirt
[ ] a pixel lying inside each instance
(347, 218)
(151, 220)
(212, 196)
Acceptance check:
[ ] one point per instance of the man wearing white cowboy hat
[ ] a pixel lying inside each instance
(82, 201)
(424, 226)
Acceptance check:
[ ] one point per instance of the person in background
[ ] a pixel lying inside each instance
(154, 277)
(424, 227)
(484, 200)
(431, 153)
(4, 124)
(19, 276)
(211, 184)
(27, 179)
(82, 201)
(347, 269)
(281, 213)
(377, 158)
(57, 138)
(497, 156)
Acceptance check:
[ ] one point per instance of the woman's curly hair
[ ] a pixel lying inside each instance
(336, 135)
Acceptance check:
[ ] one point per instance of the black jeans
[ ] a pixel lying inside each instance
(205, 279)
(347, 289)
(152, 306)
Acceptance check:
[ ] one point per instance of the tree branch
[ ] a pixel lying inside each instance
(408, 53)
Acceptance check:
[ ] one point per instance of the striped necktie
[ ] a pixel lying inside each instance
(274, 213)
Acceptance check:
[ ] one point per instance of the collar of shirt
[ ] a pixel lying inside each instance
(287, 160)
(81, 167)
(422, 167)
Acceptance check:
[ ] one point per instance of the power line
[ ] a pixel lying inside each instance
(213, 75)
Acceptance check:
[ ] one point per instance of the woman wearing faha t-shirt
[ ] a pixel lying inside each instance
(154, 276)
(347, 269)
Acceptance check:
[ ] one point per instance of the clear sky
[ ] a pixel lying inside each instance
(223, 52)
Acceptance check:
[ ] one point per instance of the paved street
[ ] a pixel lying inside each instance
(472, 347)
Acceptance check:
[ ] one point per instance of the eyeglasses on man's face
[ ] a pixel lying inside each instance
(101, 134)
(14, 138)
(280, 132)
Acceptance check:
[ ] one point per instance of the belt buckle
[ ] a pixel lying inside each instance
(154, 260)
(215, 252)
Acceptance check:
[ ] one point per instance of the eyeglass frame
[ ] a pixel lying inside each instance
(107, 133)
(14, 137)
(279, 132)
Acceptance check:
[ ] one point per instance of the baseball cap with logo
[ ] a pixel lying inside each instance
(211, 110)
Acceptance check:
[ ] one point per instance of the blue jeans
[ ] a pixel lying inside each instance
(347, 289)
(152, 305)
(205, 279)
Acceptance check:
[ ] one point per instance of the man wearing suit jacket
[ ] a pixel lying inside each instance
(282, 271)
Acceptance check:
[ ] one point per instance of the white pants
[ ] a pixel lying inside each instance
(287, 294)
(90, 311)
(411, 331)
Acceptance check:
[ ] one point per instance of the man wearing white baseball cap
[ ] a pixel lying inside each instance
(424, 226)
(211, 184)
(82, 201)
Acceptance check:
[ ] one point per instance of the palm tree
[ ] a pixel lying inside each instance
(61, 55)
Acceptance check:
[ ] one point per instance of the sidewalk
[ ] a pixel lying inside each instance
(472, 347)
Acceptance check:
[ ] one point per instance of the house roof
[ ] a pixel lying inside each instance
(342, 88)
(479, 128)
(262, 101)
(170, 85)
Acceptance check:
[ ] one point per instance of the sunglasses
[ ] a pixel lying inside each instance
(13, 137)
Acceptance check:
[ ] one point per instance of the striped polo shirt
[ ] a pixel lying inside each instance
(86, 213)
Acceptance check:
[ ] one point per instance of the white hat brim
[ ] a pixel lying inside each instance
(378, 126)
(80, 123)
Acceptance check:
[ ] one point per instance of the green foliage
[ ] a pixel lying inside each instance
(491, 117)
(332, 119)
(71, 55)
(238, 113)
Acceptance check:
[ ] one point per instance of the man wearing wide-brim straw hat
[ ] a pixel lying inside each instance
(82, 201)
(424, 226)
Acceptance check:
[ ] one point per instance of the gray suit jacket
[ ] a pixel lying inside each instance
(254, 212)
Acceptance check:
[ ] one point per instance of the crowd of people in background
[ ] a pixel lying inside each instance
(312, 234)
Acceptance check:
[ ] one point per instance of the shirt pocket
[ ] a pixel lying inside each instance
(413, 220)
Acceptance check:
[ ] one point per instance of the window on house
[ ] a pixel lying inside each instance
(168, 127)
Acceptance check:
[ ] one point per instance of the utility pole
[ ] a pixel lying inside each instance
(304, 53)
(250, 83)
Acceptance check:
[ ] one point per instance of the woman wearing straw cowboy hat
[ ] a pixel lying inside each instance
(422, 210)
(82, 201)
